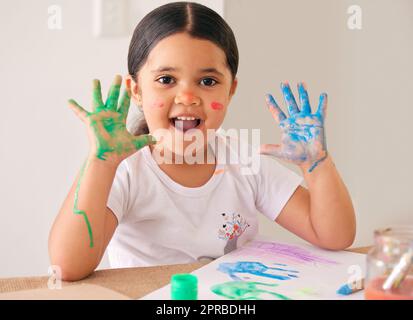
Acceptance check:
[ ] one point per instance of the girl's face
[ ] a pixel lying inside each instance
(184, 77)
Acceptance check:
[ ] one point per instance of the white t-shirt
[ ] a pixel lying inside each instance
(162, 222)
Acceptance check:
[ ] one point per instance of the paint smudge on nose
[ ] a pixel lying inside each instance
(188, 96)
(216, 106)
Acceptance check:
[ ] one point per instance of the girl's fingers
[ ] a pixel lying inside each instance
(272, 150)
(304, 101)
(113, 95)
(97, 102)
(322, 106)
(125, 103)
(289, 99)
(144, 140)
(78, 110)
(275, 110)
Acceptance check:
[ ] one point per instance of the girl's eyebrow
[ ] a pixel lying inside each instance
(211, 70)
(170, 69)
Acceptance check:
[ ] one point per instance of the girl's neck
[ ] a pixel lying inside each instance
(182, 163)
(187, 174)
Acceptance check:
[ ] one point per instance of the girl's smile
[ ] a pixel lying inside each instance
(185, 122)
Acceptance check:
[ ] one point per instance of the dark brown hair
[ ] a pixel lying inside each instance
(195, 19)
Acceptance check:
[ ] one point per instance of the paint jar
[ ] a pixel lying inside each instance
(389, 270)
(184, 286)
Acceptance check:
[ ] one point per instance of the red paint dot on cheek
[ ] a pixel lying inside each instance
(217, 106)
(157, 104)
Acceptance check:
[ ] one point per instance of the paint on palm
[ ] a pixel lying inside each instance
(108, 124)
(233, 227)
(302, 133)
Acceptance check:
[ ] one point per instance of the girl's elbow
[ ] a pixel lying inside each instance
(73, 277)
(342, 245)
(344, 240)
(338, 243)
(68, 273)
(66, 270)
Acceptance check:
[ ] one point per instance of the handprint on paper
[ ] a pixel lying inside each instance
(256, 269)
(246, 290)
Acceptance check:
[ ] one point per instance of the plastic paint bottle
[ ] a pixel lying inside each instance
(184, 286)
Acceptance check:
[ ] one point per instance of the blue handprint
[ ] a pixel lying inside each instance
(255, 268)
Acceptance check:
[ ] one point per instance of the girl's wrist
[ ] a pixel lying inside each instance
(309, 167)
(95, 160)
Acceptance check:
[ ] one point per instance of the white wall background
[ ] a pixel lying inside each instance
(367, 74)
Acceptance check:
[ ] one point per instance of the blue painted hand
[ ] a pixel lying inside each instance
(302, 133)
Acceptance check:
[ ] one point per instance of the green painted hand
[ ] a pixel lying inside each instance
(110, 140)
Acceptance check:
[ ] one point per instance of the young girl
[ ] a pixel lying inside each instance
(182, 62)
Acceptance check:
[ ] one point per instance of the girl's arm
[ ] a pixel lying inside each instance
(84, 225)
(69, 240)
(323, 214)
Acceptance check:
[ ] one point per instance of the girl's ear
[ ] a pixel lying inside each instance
(233, 88)
(133, 86)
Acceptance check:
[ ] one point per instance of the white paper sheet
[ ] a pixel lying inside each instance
(275, 270)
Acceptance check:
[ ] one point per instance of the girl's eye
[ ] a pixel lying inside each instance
(209, 82)
(165, 80)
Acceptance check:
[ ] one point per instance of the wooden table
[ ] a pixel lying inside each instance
(132, 282)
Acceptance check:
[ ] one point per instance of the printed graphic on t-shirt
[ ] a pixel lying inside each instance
(233, 227)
